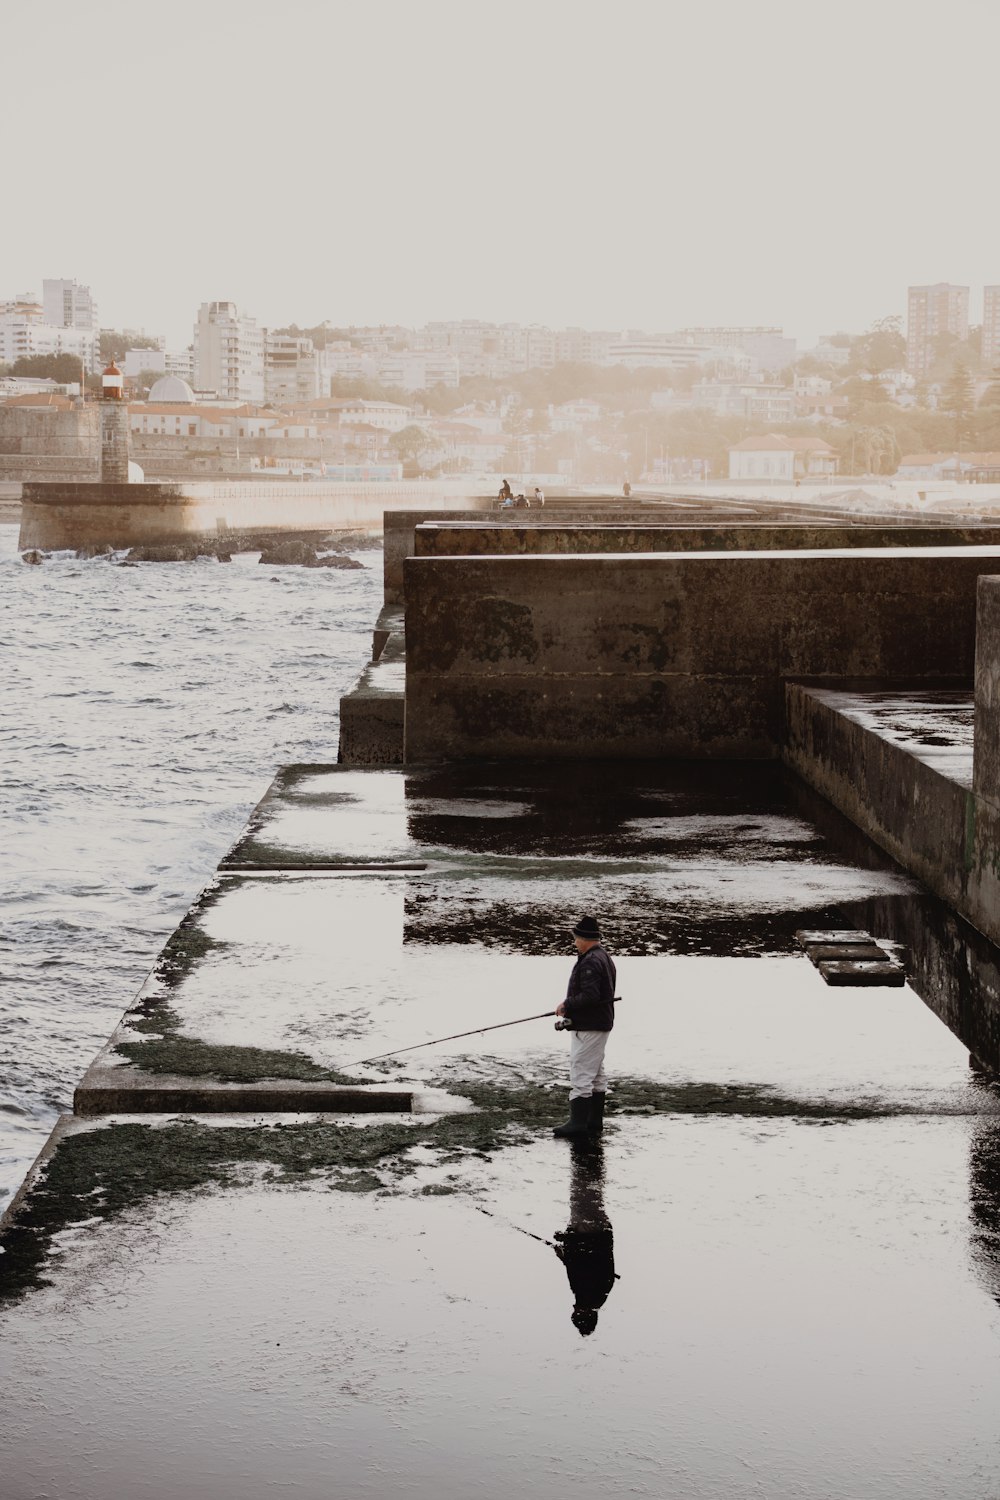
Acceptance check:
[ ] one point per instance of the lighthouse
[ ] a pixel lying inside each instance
(114, 427)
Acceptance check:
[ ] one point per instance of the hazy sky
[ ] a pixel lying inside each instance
(610, 163)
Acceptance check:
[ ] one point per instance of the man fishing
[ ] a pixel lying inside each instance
(589, 1007)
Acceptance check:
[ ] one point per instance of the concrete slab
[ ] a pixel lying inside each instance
(254, 1330)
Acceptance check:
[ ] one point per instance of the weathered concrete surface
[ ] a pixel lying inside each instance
(464, 538)
(986, 747)
(933, 823)
(677, 655)
(286, 1315)
(400, 526)
(766, 1136)
(372, 714)
(61, 515)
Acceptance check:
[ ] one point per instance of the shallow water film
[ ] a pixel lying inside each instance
(143, 711)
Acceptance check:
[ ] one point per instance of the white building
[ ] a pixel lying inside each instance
(228, 353)
(24, 332)
(757, 401)
(292, 370)
(643, 353)
(419, 369)
(67, 304)
(775, 456)
(137, 360)
(763, 348)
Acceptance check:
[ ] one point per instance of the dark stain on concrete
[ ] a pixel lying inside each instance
(98, 1174)
(168, 1050)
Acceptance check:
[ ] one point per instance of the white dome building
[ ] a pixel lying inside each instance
(171, 390)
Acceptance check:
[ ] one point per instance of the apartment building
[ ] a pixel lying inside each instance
(756, 401)
(932, 311)
(25, 331)
(228, 353)
(991, 325)
(67, 304)
(292, 370)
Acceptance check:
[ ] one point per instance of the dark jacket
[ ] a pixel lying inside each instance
(590, 995)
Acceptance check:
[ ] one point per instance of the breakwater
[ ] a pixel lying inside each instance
(142, 709)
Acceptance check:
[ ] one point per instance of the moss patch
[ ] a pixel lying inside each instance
(170, 1051)
(100, 1173)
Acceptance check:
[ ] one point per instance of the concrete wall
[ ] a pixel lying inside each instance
(946, 834)
(50, 431)
(400, 526)
(77, 515)
(666, 654)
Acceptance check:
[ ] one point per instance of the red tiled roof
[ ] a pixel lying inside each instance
(777, 442)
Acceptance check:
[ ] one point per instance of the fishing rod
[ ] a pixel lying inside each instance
(499, 1219)
(561, 1025)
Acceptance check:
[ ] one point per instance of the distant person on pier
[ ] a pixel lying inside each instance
(626, 489)
(506, 493)
(539, 497)
(522, 502)
(589, 1007)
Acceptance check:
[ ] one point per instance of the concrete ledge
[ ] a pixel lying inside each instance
(485, 538)
(936, 828)
(108, 1090)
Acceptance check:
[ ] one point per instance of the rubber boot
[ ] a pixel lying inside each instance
(596, 1126)
(579, 1119)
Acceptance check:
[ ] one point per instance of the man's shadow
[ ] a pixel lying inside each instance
(586, 1246)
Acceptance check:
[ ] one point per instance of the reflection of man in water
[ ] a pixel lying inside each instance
(587, 1246)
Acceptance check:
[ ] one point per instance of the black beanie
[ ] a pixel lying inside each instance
(587, 928)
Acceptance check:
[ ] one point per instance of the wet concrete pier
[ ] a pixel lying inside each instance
(260, 1255)
(799, 1186)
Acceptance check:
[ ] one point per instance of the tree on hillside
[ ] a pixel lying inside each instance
(991, 395)
(408, 443)
(62, 367)
(957, 398)
(113, 343)
(876, 449)
(882, 348)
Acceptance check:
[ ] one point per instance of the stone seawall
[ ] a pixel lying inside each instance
(61, 515)
(667, 654)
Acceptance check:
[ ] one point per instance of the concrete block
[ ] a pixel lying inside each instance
(821, 953)
(666, 654)
(809, 938)
(852, 972)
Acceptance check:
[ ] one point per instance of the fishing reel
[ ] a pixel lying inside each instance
(565, 1024)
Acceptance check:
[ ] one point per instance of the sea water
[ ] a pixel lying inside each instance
(143, 712)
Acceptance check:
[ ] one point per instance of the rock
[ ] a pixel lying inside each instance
(336, 561)
(348, 541)
(33, 558)
(160, 554)
(289, 554)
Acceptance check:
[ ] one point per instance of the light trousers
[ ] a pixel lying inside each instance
(586, 1063)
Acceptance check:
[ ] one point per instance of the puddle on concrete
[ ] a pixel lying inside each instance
(802, 1311)
(599, 812)
(935, 727)
(323, 969)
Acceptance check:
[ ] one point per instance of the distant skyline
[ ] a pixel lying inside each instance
(634, 164)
